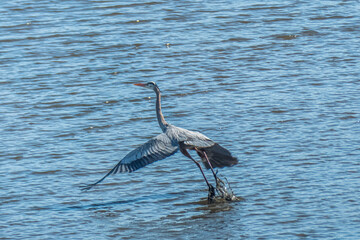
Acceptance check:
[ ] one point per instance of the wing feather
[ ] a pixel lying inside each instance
(155, 149)
(190, 138)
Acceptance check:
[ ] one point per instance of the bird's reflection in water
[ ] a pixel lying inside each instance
(218, 205)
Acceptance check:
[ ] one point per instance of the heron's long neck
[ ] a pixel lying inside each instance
(160, 117)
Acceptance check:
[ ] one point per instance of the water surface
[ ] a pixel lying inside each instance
(277, 83)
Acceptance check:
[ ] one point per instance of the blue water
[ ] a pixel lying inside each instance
(275, 82)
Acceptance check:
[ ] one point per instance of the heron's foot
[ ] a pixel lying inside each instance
(211, 194)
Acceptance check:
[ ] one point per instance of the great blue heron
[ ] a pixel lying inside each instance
(169, 142)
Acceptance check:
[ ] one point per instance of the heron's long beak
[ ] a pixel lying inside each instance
(140, 84)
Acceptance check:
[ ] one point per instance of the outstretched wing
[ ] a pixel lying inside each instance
(155, 149)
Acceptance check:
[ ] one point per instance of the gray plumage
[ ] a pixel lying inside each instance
(169, 142)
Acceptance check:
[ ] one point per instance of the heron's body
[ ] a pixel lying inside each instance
(171, 140)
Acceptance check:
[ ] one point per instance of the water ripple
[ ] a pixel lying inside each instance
(275, 82)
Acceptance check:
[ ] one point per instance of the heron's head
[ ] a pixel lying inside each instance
(149, 85)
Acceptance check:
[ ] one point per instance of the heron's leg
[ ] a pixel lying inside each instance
(207, 159)
(220, 185)
(183, 151)
(211, 194)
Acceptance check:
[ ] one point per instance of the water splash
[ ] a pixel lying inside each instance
(223, 192)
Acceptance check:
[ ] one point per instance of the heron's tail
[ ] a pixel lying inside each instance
(218, 156)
